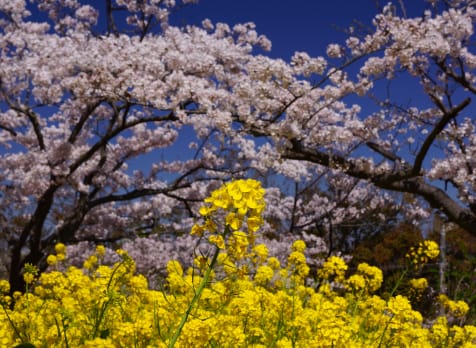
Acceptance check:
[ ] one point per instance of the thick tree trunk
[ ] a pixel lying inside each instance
(31, 235)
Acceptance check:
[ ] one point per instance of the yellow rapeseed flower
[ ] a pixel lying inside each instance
(263, 275)
(100, 250)
(238, 196)
(423, 253)
(418, 284)
(51, 260)
(254, 223)
(238, 244)
(431, 249)
(261, 252)
(90, 262)
(373, 276)
(217, 240)
(4, 286)
(234, 221)
(197, 230)
(333, 266)
(274, 263)
(456, 308)
(256, 307)
(249, 300)
(299, 245)
(60, 248)
(30, 272)
(356, 282)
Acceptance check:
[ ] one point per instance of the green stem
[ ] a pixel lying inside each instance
(397, 284)
(11, 322)
(195, 298)
(104, 307)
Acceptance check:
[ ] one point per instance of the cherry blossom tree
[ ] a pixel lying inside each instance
(82, 96)
(424, 148)
(77, 106)
(85, 94)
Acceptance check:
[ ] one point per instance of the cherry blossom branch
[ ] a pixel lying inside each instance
(437, 198)
(33, 118)
(448, 115)
(80, 124)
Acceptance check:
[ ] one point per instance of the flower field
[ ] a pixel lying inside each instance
(237, 296)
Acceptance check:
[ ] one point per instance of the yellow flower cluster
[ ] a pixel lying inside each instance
(455, 336)
(455, 308)
(60, 249)
(423, 253)
(367, 278)
(335, 267)
(248, 300)
(239, 196)
(29, 273)
(417, 287)
(419, 284)
(113, 307)
(240, 202)
(78, 307)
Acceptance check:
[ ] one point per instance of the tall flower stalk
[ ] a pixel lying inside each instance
(231, 210)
